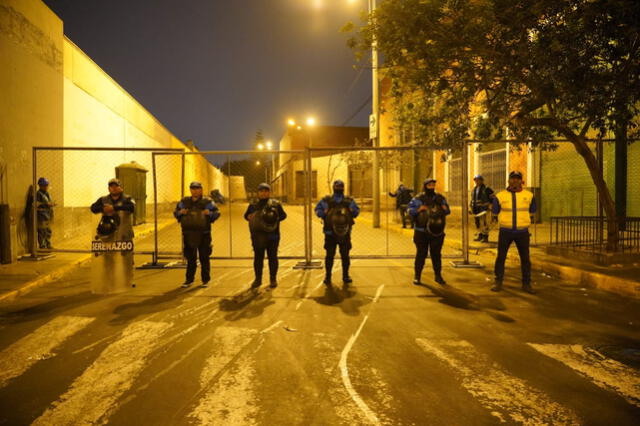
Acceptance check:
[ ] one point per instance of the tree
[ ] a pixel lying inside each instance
(541, 68)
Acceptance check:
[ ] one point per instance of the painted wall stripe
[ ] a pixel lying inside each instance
(38, 345)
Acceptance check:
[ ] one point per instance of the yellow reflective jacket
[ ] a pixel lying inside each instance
(514, 209)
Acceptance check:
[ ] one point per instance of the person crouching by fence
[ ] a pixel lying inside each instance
(196, 214)
(429, 210)
(264, 217)
(514, 207)
(337, 212)
(114, 269)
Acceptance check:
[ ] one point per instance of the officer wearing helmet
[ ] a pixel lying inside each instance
(337, 212)
(115, 225)
(264, 216)
(429, 210)
(196, 214)
(44, 210)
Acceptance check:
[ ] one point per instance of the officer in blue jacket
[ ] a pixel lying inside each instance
(337, 212)
(429, 210)
(196, 214)
(264, 216)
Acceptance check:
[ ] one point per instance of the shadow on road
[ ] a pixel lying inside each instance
(247, 304)
(129, 311)
(342, 298)
(47, 308)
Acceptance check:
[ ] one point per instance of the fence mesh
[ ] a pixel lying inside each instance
(78, 177)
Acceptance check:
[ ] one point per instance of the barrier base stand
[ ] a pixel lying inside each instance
(466, 265)
(314, 264)
(36, 258)
(151, 265)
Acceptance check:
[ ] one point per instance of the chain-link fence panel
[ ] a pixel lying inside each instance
(78, 177)
(380, 232)
(231, 180)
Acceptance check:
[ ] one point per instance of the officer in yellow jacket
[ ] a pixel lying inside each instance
(514, 207)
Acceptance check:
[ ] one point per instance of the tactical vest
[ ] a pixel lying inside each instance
(433, 219)
(194, 219)
(339, 217)
(514, 216)
(119, 224)
(266, 217)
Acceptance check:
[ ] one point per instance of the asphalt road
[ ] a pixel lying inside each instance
(380, 352)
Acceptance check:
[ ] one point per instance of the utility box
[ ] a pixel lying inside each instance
(134, 182)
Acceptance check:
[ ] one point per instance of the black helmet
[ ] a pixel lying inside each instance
(341, 221)
(269, 216)
(108, 225)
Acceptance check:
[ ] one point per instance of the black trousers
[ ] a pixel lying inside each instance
(424, 243)
(331, 242)
(197, 245)
(505, 238)
(406, 218)
(262, 243)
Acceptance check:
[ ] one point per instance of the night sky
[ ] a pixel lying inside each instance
(216, 71)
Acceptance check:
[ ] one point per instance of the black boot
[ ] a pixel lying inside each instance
(497, 286)
(327, 280)
(346, 279)
(478, 237)
(526, 287)
(485, 238)
(273, 282)
(256, 283)
(438, 278)
(416, 278)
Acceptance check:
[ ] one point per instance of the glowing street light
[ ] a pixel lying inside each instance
(257, 162)
(311, 121)
(269, 145)
(260, 146)
(291, 122)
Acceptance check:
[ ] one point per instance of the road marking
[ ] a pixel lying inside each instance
(344, 371)
(306, 296)
(607, 373)
(508, 398)
(94, 394)
(38, 345)
(231, 398)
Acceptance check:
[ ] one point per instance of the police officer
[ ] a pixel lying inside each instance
(264, 216)
(481, 197)
(429, 210)
(403, 197)
(115, 225)
(44, 206)
(514, 207)
(337, 212)
(196, 214)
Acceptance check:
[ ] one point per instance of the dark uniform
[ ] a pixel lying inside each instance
(429, 226)
(337, 213)
(403, 198)
(113, 271)
(481, 197)
(264, 225)
(44, 206)
(196, 235)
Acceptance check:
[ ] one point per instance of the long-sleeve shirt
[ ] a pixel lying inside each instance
(259, 205)
(123, 202)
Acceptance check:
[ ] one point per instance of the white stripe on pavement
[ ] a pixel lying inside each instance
(21, 355)
(604, 372)
(369, 415)
(508, 398)
(230, 401)
(94, 394)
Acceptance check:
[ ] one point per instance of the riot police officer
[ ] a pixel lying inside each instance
(264, 216)
(429, 210)
(44, 209)
(196, 214)
(115, 225)
(403, 197)
(337, 212)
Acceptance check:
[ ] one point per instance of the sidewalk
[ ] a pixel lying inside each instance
(23, 276)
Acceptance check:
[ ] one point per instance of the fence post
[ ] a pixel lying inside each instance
(34, 206)
(154, 261)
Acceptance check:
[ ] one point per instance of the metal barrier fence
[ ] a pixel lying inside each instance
(590, 233)
(234, 176)
(78, 177)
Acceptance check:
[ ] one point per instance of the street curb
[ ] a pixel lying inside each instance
(592, 279)
(60, 272)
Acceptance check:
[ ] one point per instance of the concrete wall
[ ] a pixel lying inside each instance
(54, 95)
(31, 88)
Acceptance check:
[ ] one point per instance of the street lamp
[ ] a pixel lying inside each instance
(268, 145)
(260, 146)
